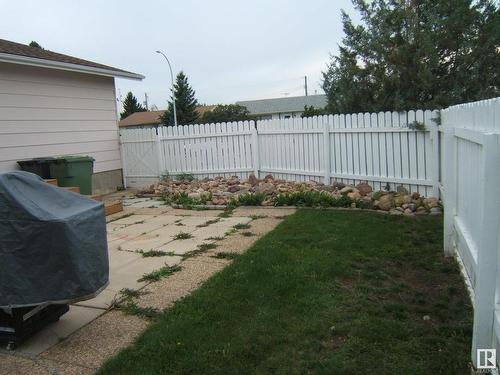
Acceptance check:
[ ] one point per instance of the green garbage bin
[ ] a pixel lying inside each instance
(73, 171)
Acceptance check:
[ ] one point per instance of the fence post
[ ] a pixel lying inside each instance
(255, 150)
(449, 185)
(488, 246)
(124, 161)
(326, 152)
(159, 153)
(434, 134)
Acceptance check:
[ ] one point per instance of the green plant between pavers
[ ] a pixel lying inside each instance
(132, 308)
(241, 226)
(326, 292)
(256, 217)
(215, 238)
(225, 255)
(152, 253)
(128, 293)
(161, 273)
(251, 199)
(208, 222)
(200, 250)
(120, 217)
(183, 236)
(248, 234)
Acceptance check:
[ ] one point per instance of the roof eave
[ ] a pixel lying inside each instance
(31, 61)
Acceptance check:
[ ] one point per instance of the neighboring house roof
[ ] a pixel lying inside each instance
(142, 118)
(153, 117)
(18, 53)
(283, 105)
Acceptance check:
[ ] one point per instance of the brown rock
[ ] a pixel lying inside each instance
(364, 188)
(431, 202)
(252, 179)
(233, 188)
(269, 178)
(346, 189)
(385, 202)
(354, 195)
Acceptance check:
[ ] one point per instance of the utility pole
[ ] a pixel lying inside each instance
(146, 101)
(305, 84)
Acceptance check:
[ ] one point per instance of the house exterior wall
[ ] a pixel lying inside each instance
(48, 112)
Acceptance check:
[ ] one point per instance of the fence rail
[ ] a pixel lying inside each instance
(380, 148)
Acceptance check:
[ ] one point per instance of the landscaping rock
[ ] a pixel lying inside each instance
(402, 190)
(233, 188)
(346, 189)
(223, 190)
(252, 180)
(364, 188)
(385, 202)
(431, 202)
(395, 212)
(269, 178)
(354, 195)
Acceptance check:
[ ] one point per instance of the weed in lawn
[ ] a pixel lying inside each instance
(183, 236)
(163, 272)
(241, 226)
(226, 255)
(152, 253)
(248, 234)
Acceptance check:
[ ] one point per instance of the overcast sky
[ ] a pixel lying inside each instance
(230, 49)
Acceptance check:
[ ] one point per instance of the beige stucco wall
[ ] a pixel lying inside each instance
(47, 112)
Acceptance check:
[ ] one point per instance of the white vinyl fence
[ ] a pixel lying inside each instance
(380, 148)
(471, 192)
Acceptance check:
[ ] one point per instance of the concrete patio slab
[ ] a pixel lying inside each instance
(74, 319)
(128, 275)
(152, 240)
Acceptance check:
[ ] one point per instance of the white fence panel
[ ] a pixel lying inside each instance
(471, 181)
(379, 148)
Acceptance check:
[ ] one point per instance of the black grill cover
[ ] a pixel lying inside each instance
(53, 246)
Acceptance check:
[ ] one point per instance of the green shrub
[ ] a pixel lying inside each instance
(251, 199)
(313, 199)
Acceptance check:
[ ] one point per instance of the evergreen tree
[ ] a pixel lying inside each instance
(226, 113)
(35, 44)
(415, 54)
(131, 105)
(185, 103)
(310, 111)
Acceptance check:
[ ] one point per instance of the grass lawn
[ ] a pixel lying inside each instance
(327, 292)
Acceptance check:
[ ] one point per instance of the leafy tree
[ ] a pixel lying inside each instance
(415, 54)
(185, 103)
(226, 113)
(131, 105)
(35, 44)
(310, 111)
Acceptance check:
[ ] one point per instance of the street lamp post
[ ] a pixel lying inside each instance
(173, 93)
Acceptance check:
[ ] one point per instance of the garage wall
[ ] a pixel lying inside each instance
(47, 112)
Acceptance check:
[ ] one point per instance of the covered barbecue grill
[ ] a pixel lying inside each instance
(53, 251)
